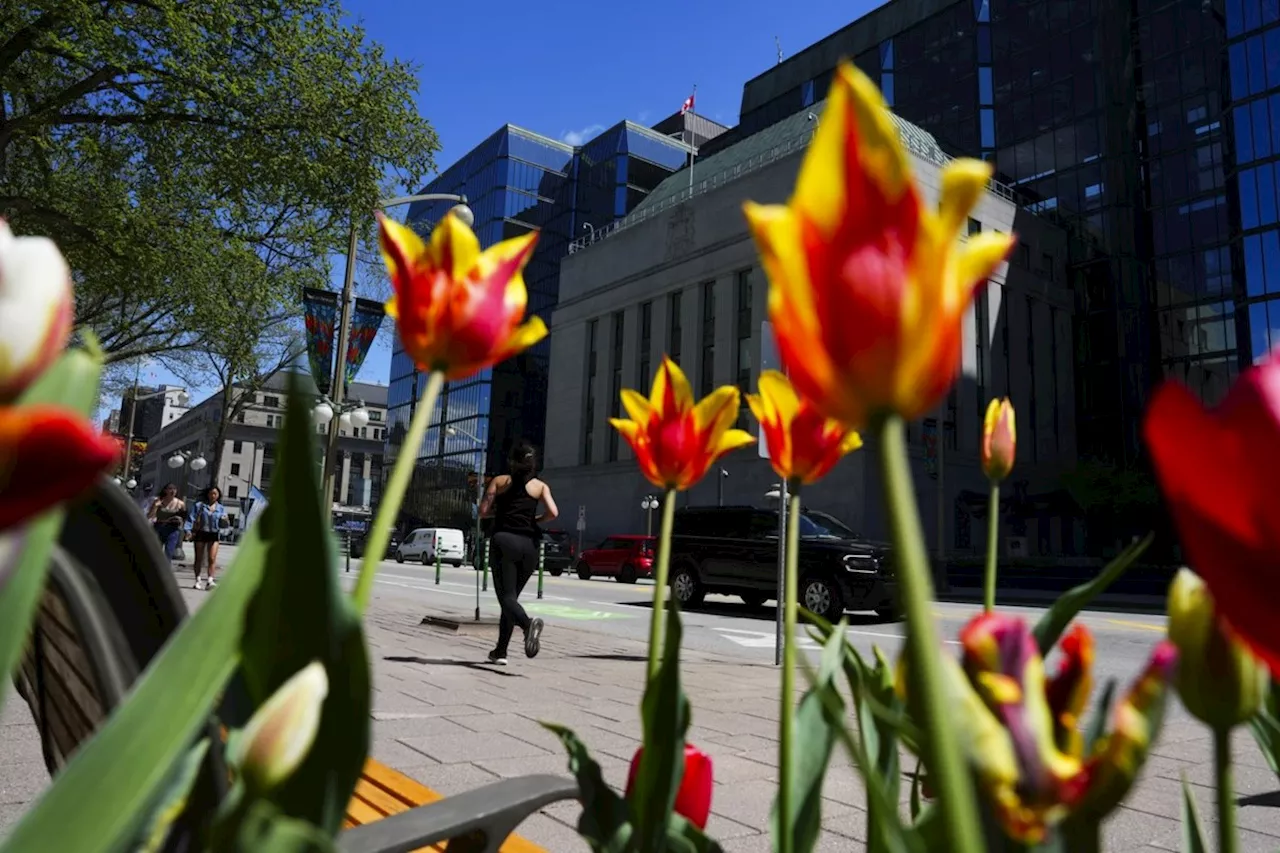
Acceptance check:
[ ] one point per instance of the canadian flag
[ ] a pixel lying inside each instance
(687, 107)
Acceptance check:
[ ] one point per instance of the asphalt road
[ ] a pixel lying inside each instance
(724, 624)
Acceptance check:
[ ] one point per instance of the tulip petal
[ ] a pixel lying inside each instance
(717, 411)
(775, 386)
(671, 390)
(454, 247)
(392, 308)
(637, 406)
(401, 247)
(852, 441)
(47, 455)
(964, 181)
(733, 439)
(976, 261)
(880, 150)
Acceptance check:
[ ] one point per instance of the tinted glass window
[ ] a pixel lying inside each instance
(764, 525)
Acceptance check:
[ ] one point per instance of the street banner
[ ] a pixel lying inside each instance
(254, 505)
(320, 311)
(365, 322)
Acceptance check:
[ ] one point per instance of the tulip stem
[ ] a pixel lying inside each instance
(944, 759)
(993, 534)
(393, 495)
(1227, 842)
(660, 572)
(786, 719)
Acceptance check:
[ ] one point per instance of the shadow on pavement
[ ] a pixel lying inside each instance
(1270, 800)
(618, 657)
(746, 611)
(470, 664)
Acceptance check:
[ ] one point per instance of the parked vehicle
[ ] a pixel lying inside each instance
(358, 541)
(622, 557)
(422, 544)
(557, 551)
(734, 551)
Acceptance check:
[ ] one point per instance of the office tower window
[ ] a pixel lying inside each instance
(742, 356)
(1053, 372)
(615, 382)
(975, 227)
(237, 446)
(235, 469)
(1031, 372)
(233, 491)
(674, 330)
(589, 407)
(645, 348)
(981, 339)
(708, 365)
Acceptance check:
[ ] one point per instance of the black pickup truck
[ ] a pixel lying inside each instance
(734, 550)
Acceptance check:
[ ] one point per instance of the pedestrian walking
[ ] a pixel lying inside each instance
(206, 518)
(165, 514)
(512, 501)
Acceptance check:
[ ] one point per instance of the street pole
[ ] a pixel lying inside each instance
(339, 381)
(782, 571)
(648, 529)
(133, 410)
(720, 487)
(542, 555)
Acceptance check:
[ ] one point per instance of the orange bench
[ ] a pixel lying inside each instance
(382, 792)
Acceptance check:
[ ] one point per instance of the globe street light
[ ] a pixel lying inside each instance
(649, 504)
(359, 417)
(131, 484)
(322, 414)
(198, 463)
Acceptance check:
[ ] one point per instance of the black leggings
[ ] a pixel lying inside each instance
(515, 559)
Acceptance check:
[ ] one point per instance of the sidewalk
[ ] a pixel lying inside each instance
(452, 722)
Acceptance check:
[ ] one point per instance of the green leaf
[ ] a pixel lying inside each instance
(1193, 840)
(664, 719)
(1098, 725)
(916, 785)
(114, 777)
(605, 821)
(173, 799)
(263, 829)
(812, 742)
(72, 382)
(684, 837)
(1266, 732)
(1071, 602)
(300, 615)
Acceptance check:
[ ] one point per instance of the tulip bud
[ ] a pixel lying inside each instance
(999, 440)
(281, 732)
(693, 800)
(1220, 681)
(36, 309)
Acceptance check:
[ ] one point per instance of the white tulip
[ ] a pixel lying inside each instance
(36, 308)
(281, 732)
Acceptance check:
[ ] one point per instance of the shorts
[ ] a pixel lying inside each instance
(204, 536)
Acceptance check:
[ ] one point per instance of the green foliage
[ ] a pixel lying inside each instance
(605, 822)
(301, 614)
(813, 738)
(116, 776)
(1193, 840)
(24, 555)
(1266, 727)
(1059, 616)
(173, 799)
(1105, 488)
(181, 152)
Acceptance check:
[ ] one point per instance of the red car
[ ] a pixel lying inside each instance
(624, 557)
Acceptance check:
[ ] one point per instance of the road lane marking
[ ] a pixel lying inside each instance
(563, 611)
(1146, 626)
(431, 588)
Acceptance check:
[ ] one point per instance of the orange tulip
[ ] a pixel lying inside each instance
(803, 445)
(999, 440)
(47, 455)
(868, 287)
(459, 310)
(674, 439)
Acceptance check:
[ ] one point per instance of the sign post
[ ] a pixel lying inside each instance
(582, 524)
(770, 360)
(437, 567)
(542, 555)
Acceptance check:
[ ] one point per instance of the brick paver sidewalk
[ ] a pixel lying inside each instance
(453, 722)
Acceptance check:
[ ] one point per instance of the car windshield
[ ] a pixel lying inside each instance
(558, 535)
(821, 525)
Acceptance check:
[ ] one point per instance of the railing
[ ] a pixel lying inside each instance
(752, 164)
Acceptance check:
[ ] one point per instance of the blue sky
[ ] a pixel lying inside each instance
(564, 69)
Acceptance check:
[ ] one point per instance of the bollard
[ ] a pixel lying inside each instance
(484, 580)
(476, 573)
(348, 550)
(437, 566)
(542, 553)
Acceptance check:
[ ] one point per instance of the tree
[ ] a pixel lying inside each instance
(162, 142)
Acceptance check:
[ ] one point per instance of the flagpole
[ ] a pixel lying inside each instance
(693, 103)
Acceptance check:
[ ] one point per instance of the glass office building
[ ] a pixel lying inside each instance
(1118, 121)
(515, 181)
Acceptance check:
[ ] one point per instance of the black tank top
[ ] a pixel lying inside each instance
(514, 511)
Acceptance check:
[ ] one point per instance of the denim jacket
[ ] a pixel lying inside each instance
(203, 517)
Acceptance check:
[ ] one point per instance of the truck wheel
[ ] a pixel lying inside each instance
(584, 571)
(627, 574)
(685, 586)
(820, 595)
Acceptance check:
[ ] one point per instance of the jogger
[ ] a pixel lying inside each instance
(512, 501)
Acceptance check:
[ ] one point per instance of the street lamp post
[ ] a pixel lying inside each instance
(649, 504)
(344, 323)
(180, 459)
(479, 536)
(720, 487)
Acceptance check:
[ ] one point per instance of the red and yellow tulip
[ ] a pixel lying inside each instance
(804, 445)
(47, 455)
(459, 310)
(867, 286)
(999, 440)
(675, 439)
(1218, 471)
(36, 309)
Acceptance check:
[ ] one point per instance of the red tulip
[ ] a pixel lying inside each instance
(999, 440)
(693, 800)
(47, 455)
(1219, 471)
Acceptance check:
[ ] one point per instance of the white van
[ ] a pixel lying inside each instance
(422, 544)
